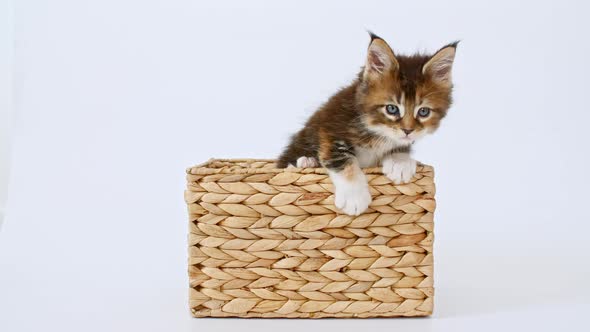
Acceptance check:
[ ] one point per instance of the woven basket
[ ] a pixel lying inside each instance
(268, 242)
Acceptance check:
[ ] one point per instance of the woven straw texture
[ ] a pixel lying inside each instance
(268, 242)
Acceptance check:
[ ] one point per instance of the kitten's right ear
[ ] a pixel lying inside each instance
(380, 58)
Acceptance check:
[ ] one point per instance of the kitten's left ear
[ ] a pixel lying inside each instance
(440, 64)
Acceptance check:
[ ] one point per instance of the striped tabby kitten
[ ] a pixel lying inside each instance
(395, 101)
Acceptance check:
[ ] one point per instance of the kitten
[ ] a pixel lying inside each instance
(395, 101)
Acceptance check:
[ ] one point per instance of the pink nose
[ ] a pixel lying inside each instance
(408, 131)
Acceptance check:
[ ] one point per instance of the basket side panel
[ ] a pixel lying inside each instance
(273, 245)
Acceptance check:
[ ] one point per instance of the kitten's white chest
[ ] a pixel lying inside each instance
(371, 157)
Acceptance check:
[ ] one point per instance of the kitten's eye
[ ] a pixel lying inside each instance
(392, 109)
(424, 112)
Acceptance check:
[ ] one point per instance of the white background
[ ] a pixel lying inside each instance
(6, 95)
(115, 98)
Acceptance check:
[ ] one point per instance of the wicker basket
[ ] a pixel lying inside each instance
(267, 242)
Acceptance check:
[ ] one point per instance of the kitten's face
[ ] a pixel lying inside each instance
(405, 98)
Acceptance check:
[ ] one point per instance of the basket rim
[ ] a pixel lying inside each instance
(205, 168)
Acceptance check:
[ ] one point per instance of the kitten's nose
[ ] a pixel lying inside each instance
(408, 131)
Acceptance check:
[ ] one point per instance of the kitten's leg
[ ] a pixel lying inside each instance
(399, 167)
(304, 162)
(351, 191)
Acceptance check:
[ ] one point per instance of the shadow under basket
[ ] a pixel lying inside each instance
(268, 242)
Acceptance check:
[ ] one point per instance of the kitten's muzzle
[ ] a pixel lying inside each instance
(408, 131)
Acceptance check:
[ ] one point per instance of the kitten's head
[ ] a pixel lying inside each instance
(405, 97)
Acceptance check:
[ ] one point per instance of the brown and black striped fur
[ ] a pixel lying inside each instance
(354, 117)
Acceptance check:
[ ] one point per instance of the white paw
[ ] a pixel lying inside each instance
(400, 169)
(352, 198)
(304, 162)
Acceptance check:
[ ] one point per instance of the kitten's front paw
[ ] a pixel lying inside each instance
(303, 162)
(400, 169)
(352, 199)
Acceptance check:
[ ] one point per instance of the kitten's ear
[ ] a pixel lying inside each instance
(440, 64)
(380, 58)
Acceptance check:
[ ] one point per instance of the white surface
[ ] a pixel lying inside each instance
(116, 98)
(6, 95)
